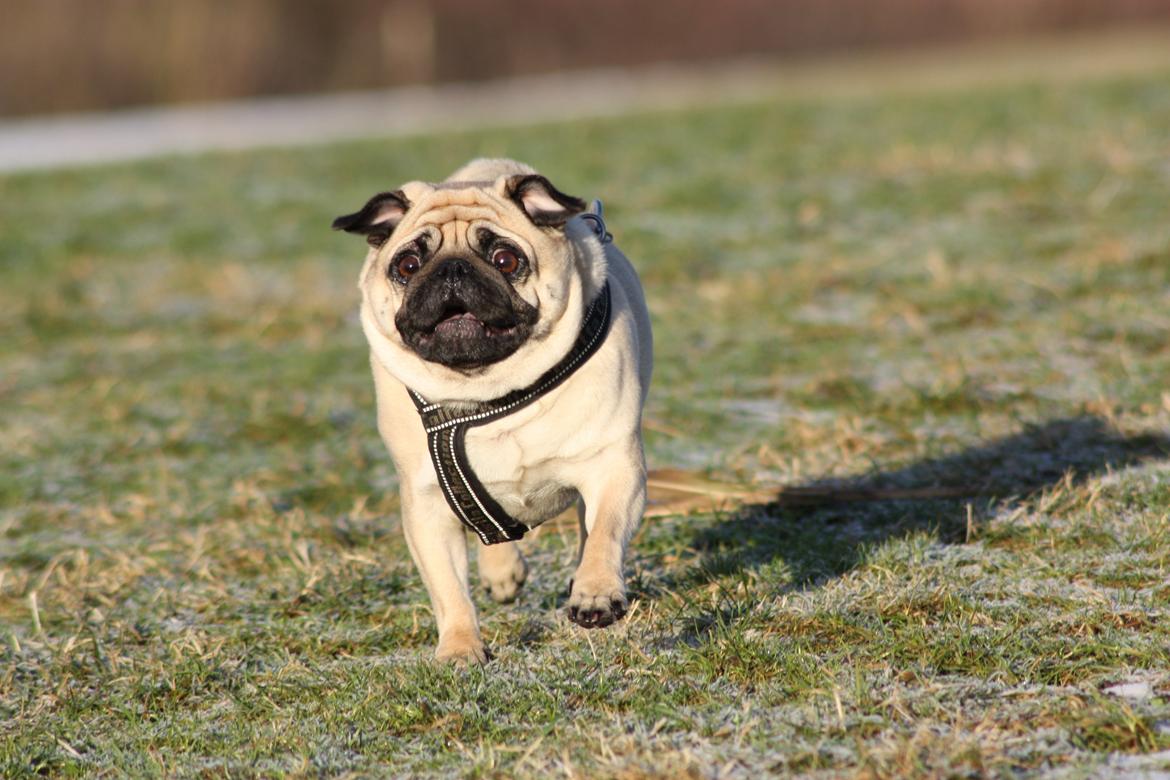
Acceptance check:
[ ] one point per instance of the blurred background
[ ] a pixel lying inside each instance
(80, 55)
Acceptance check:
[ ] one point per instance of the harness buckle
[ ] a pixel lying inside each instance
(597, 222)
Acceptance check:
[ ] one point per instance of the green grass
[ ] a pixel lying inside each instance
(200, 566)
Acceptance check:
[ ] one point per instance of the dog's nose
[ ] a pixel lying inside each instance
(453, 270)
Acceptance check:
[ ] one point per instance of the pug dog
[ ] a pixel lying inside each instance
(511, 352)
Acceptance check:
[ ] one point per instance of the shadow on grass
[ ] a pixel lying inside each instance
(823, 529)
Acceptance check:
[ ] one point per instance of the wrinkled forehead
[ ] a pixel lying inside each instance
(451, 210)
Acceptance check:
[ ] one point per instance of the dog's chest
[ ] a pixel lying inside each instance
(527, 470)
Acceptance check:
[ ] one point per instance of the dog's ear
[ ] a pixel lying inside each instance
(377, 219)
(544, 204)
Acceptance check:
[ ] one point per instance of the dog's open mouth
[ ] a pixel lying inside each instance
(462, 324)
(465, 334)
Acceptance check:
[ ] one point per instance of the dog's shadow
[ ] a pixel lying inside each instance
(822, 529)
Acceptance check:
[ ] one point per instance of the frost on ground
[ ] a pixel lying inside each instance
(922, 335)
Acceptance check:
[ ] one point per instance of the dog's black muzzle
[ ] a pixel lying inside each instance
(462, 313)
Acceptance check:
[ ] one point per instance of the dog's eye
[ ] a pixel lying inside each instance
(505, 261)
(406, 265)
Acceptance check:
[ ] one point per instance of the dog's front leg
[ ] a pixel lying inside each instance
(613, 509)
(438, 544)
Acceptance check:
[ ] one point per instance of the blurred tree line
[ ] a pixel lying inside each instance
(62, 55)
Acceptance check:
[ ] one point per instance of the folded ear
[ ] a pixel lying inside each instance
(544, 204)
(377, 219)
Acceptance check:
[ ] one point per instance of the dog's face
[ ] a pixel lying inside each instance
(464, 275)
(461, 308)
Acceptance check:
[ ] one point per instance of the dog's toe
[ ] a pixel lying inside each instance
(462, 649)
(503, 590)
(503, 573)
(596, 611)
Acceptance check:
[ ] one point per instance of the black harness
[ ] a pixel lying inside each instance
(446, 428)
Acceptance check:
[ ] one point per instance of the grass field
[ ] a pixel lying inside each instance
(953, 309)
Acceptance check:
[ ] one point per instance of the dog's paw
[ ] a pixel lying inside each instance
(597, 607)
(503, 581)
(462, 649)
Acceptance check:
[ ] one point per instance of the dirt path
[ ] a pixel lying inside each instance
(41, 143)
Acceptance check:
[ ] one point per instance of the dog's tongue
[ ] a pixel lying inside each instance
(465, 324)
